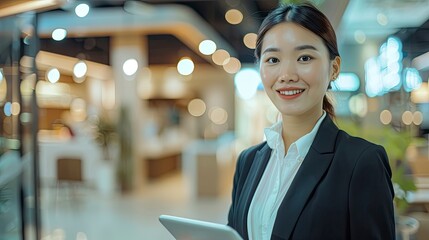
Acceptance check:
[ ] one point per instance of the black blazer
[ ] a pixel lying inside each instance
(342, 190)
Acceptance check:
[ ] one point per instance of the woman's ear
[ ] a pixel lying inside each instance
(336, 66)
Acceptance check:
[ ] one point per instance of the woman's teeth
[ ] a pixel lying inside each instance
(293, 92)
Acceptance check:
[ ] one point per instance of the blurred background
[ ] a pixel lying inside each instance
(114, 112)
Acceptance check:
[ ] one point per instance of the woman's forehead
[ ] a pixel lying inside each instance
(290, 34)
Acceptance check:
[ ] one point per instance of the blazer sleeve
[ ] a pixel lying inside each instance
(371, 196)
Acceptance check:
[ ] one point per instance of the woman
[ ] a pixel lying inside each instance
(309, 180)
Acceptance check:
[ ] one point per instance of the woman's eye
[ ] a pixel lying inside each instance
(304, 59)
(272, 60)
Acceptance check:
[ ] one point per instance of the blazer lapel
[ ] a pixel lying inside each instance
(309, 174)
(254, 176)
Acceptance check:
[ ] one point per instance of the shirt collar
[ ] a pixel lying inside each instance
(273, 135)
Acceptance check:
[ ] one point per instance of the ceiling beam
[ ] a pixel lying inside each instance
(139, 18)
(13, 7)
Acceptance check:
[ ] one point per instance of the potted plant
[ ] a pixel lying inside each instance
(396, 143)
(106, 137)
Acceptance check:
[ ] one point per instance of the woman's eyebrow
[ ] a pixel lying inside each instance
(298, 48)
(304, 47)
(271, 50)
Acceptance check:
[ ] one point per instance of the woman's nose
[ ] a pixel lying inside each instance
(288, 73)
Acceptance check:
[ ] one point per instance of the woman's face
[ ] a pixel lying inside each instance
(295, 69)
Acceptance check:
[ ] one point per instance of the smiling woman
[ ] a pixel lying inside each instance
(308, 180)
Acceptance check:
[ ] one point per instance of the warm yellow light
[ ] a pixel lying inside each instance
(220, 56)
(15, 108)
(218, 115)
(3, 88)
(234, 16)
(407, 118)
(386, 117)
(250, 40)
(417, 118)
(358, 105)
(196, 107)
(421, 95)
(232, 66)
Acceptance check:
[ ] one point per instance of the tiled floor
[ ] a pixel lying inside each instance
(84, 214)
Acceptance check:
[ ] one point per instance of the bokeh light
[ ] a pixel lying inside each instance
(220, 56)
(249, 40)
(130, 67)
(407, 118)
(59, 34)
(207, 47)
(196, 107)
(82, 10)
(233, 16)
(232, 66)
(385, 117)
(185, 66)
(53, 75)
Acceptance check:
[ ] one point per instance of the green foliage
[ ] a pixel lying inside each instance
(105, 134)
(125, 134)
(396, 143)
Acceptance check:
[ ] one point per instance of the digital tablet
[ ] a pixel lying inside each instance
(191, 229)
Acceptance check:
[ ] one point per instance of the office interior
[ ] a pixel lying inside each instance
(114, 112)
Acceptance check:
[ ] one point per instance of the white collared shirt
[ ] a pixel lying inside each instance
(276, 180)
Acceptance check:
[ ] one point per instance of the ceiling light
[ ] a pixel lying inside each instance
(234, 16)
(207, 47)
(53, 75)
(80, 69)
(130, 67)
(82, 10)
(59, 34)
(185, 66)
(250, 40)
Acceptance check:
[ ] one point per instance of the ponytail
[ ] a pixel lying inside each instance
(328, 107)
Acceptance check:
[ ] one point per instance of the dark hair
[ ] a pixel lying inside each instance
(309, 17)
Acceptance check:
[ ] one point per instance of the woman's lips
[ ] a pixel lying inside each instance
(290, 93)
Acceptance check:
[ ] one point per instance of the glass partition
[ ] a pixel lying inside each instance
(19, 217)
